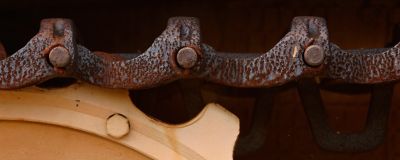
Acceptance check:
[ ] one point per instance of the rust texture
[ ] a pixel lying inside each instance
(29, 65)
(177, 53)
(364, 66)
(281, 64)
(304, 52)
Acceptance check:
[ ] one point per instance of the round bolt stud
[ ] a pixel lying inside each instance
(186, 57)
(314, 55)
(117, 126)
(59, 57)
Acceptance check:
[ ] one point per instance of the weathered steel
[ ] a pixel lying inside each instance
(304, 52)
(282, 64)
(375, 128)
(364, 66)
(177, 53)
(29, 65)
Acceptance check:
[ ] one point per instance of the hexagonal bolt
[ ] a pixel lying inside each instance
(59, 57)
(314, 55)
(117, 126)
(186, 57)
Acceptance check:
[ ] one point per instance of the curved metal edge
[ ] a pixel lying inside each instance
(156, 66)
(283, 63)
(81, 107)
(255, 139)
(29, 65)
(375, 129)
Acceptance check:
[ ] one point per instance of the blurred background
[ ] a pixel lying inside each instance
(233, 26)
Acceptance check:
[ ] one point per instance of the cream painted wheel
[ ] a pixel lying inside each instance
(75, 119)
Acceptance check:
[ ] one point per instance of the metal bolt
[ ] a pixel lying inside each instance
(186, 57)
(314, 55)
(58, 28)
(59, 57)
(117, 126)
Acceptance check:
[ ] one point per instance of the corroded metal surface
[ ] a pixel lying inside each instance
(364, 66)
(29, 65)
(304, 52)
(283, 63)
(166, 60)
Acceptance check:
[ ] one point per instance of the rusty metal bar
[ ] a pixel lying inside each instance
(178, 53)
(365, 66)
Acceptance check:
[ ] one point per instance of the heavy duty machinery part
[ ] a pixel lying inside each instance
(177, 53)
(261, 116)
(110, 114)
(304, 52)
(373, 133)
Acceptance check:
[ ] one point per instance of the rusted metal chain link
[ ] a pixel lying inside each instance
(304, 52)
(177, 53)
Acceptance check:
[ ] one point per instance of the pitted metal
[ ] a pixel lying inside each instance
(364, 66)
(283, 63)
(29, 65)
(159, 64)
(155, 66)
(304, 52)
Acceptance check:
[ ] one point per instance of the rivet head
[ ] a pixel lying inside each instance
(314, 55)
(117, 126)
(59, 57)
(186, 57)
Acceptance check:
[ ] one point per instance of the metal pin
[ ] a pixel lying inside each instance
(314, 55)
(186, 57)
(59, 57)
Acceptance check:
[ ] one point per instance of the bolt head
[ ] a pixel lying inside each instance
(117, 126)
(59, 57)
(314, 55)
(187, 57)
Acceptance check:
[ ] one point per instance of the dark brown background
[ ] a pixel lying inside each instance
(234, 26)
